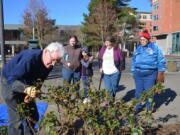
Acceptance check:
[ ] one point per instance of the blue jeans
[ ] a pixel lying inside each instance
(70, 75)
(86, 84)
(111, 82)
(144, 80)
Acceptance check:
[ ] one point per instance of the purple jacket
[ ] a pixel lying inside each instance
(117, 57)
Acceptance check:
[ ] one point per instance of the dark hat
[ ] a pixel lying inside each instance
(110, 38)
(145, 34)
(84, 49)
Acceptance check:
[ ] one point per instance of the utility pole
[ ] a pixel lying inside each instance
(2, 33)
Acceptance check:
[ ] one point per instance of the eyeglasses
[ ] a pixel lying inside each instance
(53, 60)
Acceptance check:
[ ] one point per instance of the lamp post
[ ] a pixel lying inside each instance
(2, 32)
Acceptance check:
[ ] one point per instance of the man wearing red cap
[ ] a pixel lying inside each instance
(148, 66)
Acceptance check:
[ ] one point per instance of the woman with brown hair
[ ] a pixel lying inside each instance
(110, 58)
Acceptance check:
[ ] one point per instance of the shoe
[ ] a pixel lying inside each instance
(87, 100)
(138, 109)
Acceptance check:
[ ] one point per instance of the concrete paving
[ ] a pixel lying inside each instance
(167, 102)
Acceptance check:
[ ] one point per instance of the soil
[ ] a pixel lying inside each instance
(171, 129)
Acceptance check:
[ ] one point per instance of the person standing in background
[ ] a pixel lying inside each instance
(110, 58)
(71, 62)
(148, 67)
(86, 72)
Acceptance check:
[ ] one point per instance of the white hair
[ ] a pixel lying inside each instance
(57, 47)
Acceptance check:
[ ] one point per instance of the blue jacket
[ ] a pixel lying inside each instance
(26, 67)
(148, 57)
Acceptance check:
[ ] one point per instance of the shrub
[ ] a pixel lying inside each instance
(103, 115)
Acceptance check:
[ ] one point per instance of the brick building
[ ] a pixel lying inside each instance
(166, 25)
(145, 19)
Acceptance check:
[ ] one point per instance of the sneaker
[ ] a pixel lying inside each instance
(87, 100)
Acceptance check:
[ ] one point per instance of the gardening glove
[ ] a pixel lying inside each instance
(31, 91)
(160, 77)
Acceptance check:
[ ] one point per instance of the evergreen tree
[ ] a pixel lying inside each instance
(37, 24)
(101, 21)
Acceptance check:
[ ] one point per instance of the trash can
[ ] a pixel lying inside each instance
(172, 66)
(33, 44)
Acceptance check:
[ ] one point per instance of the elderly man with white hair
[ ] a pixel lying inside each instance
(19, 76)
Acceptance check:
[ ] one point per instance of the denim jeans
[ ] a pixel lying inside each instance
(111, 82)
(144, 80)
(85, 84)
(71, 76)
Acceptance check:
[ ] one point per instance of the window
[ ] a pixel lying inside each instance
(144, 17)
(156, 6)
(155, 17)
(176, 43)
(150, 16)
(155, 28)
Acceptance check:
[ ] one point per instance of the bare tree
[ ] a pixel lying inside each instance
(100, 22)
(37, 24)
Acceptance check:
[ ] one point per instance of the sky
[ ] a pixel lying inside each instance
(66, 12)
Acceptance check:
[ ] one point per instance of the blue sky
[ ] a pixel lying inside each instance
(66, 12)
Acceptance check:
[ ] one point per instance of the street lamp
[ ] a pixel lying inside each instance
(2, 33)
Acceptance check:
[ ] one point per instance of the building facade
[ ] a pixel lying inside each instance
(166, 25)
(15, 40)
(145, 19)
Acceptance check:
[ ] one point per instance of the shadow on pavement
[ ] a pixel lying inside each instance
(164, 98)
(166, 118)
(129, 95)
(121, 88)
(159, 99)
